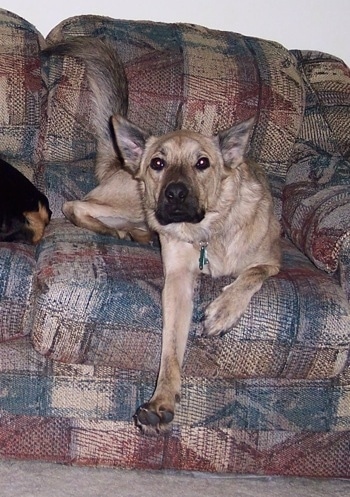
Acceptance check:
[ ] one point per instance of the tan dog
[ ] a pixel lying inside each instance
(213, 212)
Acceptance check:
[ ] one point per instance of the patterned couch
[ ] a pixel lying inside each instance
(80, 326)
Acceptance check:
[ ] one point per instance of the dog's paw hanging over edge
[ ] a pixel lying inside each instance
(151, 422)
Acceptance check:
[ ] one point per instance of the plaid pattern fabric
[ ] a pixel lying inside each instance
(97, 302)
(17, 265)
(344, 267)
(316, 195)
(200, 79)
(80, 328)
(81, 414)
(20, 92)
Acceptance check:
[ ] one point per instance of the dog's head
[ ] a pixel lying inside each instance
(181, 172)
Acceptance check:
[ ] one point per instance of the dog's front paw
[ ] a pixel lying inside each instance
(152, 419)
(223, 313)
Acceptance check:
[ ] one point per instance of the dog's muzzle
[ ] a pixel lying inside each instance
(177, 205)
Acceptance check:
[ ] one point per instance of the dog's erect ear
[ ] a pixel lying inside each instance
(233, 142)
(130, 140)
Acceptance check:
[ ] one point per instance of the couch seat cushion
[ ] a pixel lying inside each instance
(98, 301)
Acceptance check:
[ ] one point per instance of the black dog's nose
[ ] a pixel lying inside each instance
(176, 192)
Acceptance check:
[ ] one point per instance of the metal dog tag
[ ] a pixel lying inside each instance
(203, 256)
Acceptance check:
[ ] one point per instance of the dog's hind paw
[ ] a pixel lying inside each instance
(151, 421)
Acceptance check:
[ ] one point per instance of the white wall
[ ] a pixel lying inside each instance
(306, 24)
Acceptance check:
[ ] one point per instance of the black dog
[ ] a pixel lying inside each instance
(24, 211)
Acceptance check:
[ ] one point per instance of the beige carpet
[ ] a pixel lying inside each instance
(34, 479)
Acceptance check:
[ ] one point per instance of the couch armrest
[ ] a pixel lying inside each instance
(316, 195)
(316, 209)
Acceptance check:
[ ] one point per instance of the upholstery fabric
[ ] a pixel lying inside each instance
(317, 188)
(17, 264)
(80, 327)
(20, 92)
(98, 302)
(344, 267)
(81, 414)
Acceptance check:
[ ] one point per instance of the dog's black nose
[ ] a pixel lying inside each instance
(176, 192)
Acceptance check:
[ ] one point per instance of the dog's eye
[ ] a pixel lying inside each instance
(157, 164)
(203, 163)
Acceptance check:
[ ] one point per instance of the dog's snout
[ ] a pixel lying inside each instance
(178, 204)
(176, 192)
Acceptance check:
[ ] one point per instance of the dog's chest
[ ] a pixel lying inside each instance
(218, 260)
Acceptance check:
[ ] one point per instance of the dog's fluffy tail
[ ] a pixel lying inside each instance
(108, 83)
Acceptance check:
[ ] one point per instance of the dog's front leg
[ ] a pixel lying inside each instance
(226, 310)
(177, 302)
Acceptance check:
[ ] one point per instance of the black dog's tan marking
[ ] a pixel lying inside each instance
(211, 207)
(24, 210)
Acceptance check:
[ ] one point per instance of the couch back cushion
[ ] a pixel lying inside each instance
(20, 93)
(180, 76)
